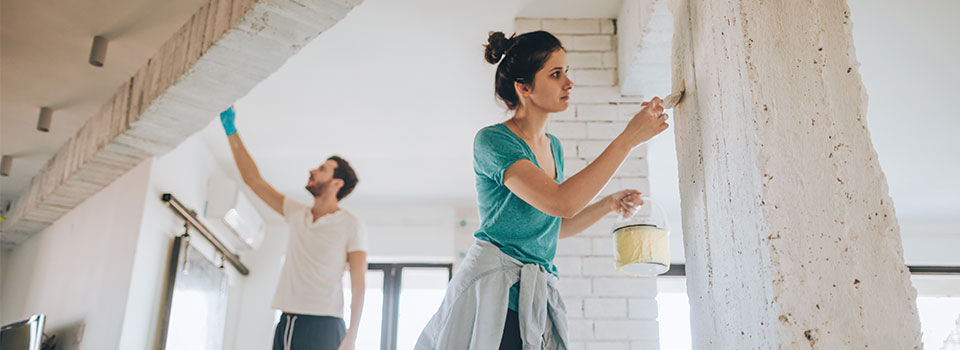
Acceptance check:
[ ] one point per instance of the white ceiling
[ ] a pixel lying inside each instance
(397, 88)
(911, 70)
(400, 88)
(44, 48)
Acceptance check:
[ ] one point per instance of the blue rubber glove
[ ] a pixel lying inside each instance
(226, 118)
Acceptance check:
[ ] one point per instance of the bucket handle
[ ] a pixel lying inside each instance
(663, 213)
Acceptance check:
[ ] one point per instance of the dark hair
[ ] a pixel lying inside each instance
(520, 57)
(344, 172)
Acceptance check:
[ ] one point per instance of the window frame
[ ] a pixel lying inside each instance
(392, 279)
(679, 270)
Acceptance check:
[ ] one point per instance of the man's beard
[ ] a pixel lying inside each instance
(317, 189)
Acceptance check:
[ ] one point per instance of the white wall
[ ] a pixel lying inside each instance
(79, 268)
(413, 230)
(112, 251)
(252, 314)
(111, 254)
(184, 172)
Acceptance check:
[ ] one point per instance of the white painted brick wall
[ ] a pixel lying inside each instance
(625, 286)
(580, 329)
(642, 308)
(600, 112)
(606, 310)
(568, 266)
(574, 246)
(568, 130)
(569, 114)
(572, 25)
(574, 165)
(598, 265)
(523, 25)
(576, 286)
(604, 130)
(588, 42)
(644, 344)
(574, 307)
(608, 346)
(586, 59)
(590, 148)
(593, 94)
(626, 329)
(607, 26)
(602, 246)
(610, 59)
(594, 77)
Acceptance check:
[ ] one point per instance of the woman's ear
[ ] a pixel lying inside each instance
(523, 89)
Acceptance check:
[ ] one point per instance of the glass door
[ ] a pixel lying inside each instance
(400, 299)
(421, 292)
(370, 332)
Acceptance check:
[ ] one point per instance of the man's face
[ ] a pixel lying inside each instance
(321, 179)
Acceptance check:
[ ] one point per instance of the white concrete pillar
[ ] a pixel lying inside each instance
(791, 237)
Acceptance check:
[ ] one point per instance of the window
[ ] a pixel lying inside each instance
(372, 318)
(195, 300)
(938, 303)
(673, 312)
(421, 292)
(399, 301)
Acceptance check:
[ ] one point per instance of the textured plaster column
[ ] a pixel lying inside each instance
(791, 237)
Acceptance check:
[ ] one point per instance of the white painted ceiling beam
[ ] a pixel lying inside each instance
(223, 51)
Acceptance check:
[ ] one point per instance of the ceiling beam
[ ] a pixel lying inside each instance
(217, 56)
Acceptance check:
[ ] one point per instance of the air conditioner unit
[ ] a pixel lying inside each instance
(229, 207)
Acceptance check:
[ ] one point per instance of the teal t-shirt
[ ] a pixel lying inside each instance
(516, 227)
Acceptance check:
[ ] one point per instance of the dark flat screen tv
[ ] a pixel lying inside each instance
(23, 335)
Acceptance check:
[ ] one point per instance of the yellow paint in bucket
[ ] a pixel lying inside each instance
(642, 250)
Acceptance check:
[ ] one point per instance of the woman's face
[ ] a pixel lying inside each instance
(551, 85)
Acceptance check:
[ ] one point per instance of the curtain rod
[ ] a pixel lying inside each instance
(191, 218)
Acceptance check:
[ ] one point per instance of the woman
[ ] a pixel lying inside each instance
(504, 293)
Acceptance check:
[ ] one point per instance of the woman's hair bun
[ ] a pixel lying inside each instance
(497, 45)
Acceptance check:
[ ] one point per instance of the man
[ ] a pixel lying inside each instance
(323, 239)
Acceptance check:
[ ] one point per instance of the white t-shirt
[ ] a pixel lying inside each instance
(311, 276)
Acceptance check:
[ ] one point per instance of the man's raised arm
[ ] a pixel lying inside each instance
(248, 169)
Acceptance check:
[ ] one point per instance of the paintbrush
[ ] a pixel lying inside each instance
(673, 99)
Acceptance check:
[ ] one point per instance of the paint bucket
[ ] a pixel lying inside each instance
(641, 241)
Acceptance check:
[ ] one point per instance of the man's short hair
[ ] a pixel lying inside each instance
(344, 172)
